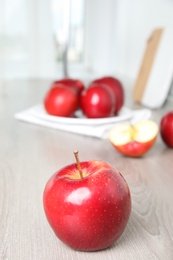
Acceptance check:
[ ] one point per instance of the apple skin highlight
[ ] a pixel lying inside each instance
(118, 91)
(61, 101)
(91, 213)
(97, 101)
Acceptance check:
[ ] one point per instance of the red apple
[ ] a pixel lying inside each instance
(116, 86)
(134, 140)
(61, 101)
(73, 83)
(87, 204)
(166, 129)
(97, 101)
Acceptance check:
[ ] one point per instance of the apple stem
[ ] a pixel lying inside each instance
(78, 163)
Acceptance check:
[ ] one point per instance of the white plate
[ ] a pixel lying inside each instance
(39, 112)
(80, 125)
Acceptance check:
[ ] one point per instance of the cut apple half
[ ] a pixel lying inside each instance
(134, 140)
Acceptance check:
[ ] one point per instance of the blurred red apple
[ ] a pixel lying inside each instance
(116, 86)
(87, 204)
(166, 129)
(134, 140)
(97, 101)
(69, 82)
(61, 101)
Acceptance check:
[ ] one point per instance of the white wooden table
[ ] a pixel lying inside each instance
(30, 154)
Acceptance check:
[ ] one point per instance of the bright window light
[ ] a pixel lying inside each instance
(68, 28)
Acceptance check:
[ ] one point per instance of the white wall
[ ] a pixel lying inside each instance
(116, 34)
(100, 35)
(118, 31)
(144, 16)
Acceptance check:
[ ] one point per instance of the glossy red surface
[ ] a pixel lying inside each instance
(91, 213)
(61, 101)
(97, 101)
(73, 83)
(134, 148)
(116, 86)
(166, 129)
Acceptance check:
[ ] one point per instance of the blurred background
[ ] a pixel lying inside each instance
(104, 37)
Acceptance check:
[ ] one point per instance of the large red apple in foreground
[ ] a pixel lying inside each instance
(87, 204)
(166, 129)
(61, 101)
(116, 86)
(97, 101)
(134, 140)
(72, 83)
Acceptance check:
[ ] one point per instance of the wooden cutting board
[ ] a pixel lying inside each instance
(156, 71)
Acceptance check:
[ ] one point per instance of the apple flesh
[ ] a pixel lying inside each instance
(166, 129)
(134, 140)
(61, 101)
(88, 207)
(97, 101)
(118, 91)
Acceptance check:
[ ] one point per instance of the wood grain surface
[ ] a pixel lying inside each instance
(147, 64)
(30, 154)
